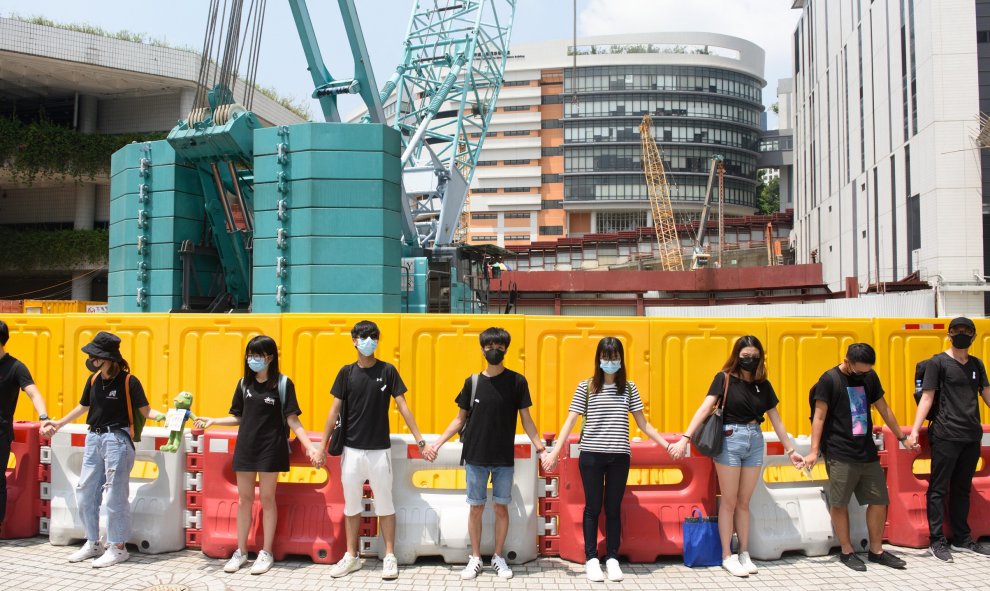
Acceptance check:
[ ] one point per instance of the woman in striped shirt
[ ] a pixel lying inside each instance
(605, 400)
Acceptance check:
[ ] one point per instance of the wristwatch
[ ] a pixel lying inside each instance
(421, 443)
(902, 438)
(43, 417)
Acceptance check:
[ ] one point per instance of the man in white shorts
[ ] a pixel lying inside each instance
(365, 389)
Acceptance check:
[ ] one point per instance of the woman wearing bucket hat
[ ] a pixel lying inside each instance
(116, 408)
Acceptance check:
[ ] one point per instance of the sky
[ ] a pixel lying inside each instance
(768, 23)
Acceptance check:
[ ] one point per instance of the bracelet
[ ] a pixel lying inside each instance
(902, 438)
(685, 436)
(788, 452)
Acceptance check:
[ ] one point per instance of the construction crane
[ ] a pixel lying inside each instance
(700, 258)
(659, 191)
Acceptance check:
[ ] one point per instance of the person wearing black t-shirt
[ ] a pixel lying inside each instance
(748, 397)
(14, 377)
(264, 408)
(110, 398)
(492, 407)
(363, 392)
(955, 437)
(842, 430)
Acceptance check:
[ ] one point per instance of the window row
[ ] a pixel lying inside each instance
(613, 188)
(659, 77)
(640, 104)
(676, 159)
(709, 133)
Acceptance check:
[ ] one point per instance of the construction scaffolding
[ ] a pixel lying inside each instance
(659, 191)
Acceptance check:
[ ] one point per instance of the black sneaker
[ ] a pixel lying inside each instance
(852, 561)
(941, 551)
(974, 547)
(887, 559)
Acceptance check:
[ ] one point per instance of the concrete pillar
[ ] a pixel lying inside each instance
(87, 114)
(82, 285)
(85, 206)
(186, 98)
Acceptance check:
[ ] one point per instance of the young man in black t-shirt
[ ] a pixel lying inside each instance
(14, 377)
(367, 387)
(842, 430)
(955, 436)
(499, 397)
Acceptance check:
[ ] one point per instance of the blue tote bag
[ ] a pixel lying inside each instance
(702, 546)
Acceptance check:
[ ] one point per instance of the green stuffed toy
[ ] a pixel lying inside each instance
(176, 419)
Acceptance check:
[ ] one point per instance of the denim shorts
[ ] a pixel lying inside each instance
(744, 448)
(477, 484)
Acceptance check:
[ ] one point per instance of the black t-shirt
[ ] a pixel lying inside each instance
(959, 386)
(106, 400)
(367, 395)
(14, 377)
(262, 437)
(747, 401)
(491, 429)
(848, 433)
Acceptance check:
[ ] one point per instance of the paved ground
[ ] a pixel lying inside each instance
(33, 564)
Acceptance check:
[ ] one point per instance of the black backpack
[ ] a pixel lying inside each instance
(919, 378)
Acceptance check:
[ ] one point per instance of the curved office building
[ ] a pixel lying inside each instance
(562, 157)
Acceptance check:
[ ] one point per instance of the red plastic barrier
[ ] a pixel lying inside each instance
(652, 515)
(24, 505)
(310, 516)
(907, 516)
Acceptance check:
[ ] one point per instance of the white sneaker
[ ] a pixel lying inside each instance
(500, 567)
(747, 563)
(614, 572)
(89, 550)
(473, 568)
(235, 563)
(111, 556)
(263, 563)
(732, 565)
(593, 569)
(345, 566)
(390, 567)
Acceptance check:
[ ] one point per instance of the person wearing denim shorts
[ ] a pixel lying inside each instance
(489, 404)
(744, 393)
(109, 453)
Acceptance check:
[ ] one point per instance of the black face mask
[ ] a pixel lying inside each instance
(91, 365)
(494, 356)
(961, 341)
(856, 377)
(749, 363)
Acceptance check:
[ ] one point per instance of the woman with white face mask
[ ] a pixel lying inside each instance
(264, 407)
(605, 400)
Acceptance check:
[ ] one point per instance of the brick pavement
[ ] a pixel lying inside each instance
(34, 565)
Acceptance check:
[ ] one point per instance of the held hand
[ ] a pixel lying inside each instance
(48, 428)
(912, 441)
(549, 461)
(429, 453)
(797, 459)
(679, 449)
(316, 456)
(159, 417)
(810, 460)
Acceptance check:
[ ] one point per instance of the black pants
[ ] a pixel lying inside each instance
(953, 466)
(604, 477)
(5, 439)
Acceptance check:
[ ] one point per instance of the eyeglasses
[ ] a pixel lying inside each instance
(255, 357)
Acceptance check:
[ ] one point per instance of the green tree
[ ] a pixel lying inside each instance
(767, 193)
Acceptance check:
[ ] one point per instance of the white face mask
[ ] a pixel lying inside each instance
(367, 346)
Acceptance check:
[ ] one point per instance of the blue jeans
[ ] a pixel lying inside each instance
(477, 484)
(744, 448)
(106, 469)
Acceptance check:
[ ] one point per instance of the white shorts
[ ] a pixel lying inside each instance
(373, 465)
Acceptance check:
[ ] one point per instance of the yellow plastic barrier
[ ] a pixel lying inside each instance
(312, 349)
(685, 355)
(206, 356)
(36, 340)
(560, 353)
(438, 352)
(144, 343)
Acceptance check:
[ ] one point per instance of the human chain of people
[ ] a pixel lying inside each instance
(727, 427)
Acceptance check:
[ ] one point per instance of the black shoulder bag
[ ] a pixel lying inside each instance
(711, 435)
(340, 429)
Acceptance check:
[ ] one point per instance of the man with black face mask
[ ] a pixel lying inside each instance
(955, 436)
(489, 403)
(842, 429)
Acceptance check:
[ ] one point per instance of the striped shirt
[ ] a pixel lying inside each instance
(606, 423)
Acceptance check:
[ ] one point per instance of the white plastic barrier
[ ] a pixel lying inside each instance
(794, 516)
(157, 503)
(432, 517)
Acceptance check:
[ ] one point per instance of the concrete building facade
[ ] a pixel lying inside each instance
(562, 154)
(888, 179)
(93, 85)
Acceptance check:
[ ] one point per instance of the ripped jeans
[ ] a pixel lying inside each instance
(106, 469)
